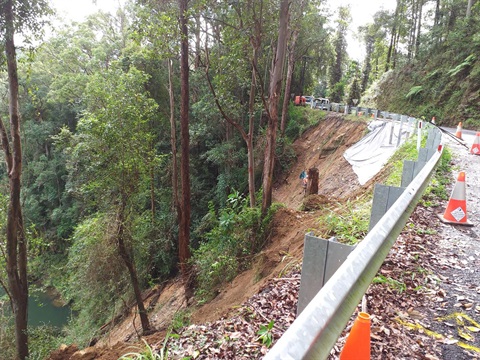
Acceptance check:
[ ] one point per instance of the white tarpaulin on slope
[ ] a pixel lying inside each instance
(370, 154)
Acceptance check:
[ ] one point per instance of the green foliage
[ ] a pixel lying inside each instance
(113, 143)
(408, 151)
(466, 63)
(393, 284)
(43, 340)
(95, 278)
(414, 91)
(354, 91)
(449, 74)
(337, 92)
(95, 109)
(348, 223)
(300, 118)
(7, 332)
(154, 246)
(180, 319)
(434, 74)
(437, 188)
(285, 156)
(265, 335)
(147, 354)
(237, 233)
(48, 268)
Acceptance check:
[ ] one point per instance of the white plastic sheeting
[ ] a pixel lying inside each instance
(370, 154)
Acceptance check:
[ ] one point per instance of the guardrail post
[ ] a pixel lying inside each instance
(425, 154)
(392, 128)
(383, 198)
(433, 138)
(410, 170)
(400, 132)
(419, 135)
(321, 258)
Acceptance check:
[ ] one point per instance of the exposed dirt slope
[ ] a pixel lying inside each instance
(321, 146)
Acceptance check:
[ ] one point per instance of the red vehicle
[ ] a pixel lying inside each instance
(300, 101)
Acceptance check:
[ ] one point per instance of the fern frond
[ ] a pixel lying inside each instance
(415, 90)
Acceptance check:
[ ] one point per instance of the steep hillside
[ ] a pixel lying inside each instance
(322, 146)
(446, 86)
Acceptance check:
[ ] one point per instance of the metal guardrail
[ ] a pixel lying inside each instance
(316, 330)
(359, 111)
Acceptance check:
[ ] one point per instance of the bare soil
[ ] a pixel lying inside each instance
(433, 271)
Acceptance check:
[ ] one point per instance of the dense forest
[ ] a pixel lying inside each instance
(144, 144)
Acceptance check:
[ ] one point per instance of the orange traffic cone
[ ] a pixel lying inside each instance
(357, 346)
(456, 212)
(476, 145)
(458, 134)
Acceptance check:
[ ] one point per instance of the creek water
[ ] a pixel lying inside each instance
(43, 310)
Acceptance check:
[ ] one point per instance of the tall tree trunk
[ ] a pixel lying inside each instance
(395, 50)
(127, 258)
(251, 128)
(469, 8)
(197, 41)
(419, 26)
(184, 214)
(16, 248)
(288, 83)
(152, 187)
(273, 101)
(413, 30)
(436, 20)
(173, 137)
(256, 42)
(368, 62)
(390, 50)
(391, 47)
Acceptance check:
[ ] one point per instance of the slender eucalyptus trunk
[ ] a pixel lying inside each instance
(419, 26)
(127, 257)
(184, 214)
(288, 83)
(251, 130)
(16, 247)
(469, 8)
(273, 101)
(436, 20)
(412, 30)
(173, 137)
(391, 47)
